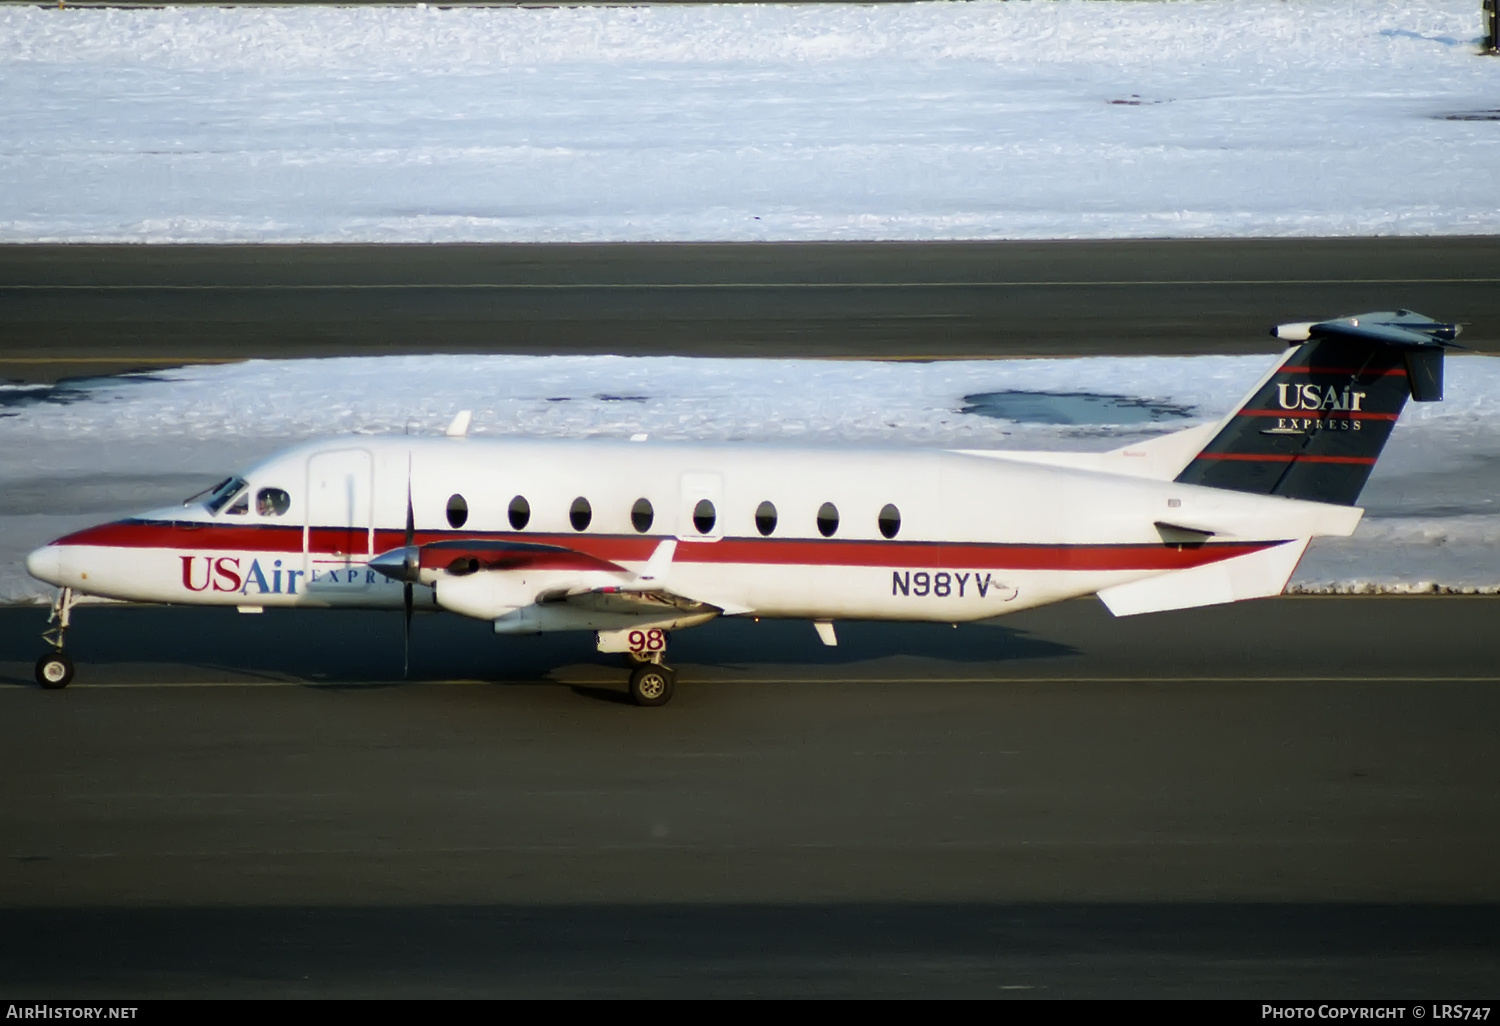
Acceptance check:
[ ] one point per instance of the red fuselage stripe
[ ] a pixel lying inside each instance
(138, 534)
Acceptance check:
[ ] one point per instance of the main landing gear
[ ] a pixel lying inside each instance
(651, 680)
(651, 683)
(54, 670)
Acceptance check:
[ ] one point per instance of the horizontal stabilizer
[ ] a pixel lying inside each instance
(1392, 328)
(1255, 575)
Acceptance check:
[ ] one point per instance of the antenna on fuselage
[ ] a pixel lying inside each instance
(460, 425)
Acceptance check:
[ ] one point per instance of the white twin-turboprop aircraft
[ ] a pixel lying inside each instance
(633, 539)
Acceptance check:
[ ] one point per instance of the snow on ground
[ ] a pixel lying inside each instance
(87, 451)
(975, 120)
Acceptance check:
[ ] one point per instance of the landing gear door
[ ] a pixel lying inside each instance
(339, 534)
(700, 513)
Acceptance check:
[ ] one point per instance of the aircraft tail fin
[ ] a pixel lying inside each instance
(1313, 428)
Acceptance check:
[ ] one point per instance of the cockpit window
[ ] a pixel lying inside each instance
(272, 502)
(212, 489)
(225, 491)
(240, 506)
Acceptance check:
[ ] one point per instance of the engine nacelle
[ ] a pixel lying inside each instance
(485, 596)
(491, 594)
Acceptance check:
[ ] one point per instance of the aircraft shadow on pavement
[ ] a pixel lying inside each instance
(322, 646)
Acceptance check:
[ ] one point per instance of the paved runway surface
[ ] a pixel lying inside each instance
(1295, 797)
(74, 310)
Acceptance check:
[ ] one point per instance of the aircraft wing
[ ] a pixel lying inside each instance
(488, 578)
(630, 602)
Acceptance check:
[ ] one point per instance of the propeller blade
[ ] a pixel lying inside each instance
(403, 564)
(406, 595)
(406, 631)
(411, 517)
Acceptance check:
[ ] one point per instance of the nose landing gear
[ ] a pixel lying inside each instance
(55, 670)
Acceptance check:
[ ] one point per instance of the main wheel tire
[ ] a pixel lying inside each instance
(652, 684)
(54, 670)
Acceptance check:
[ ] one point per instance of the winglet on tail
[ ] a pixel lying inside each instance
(1313, 428)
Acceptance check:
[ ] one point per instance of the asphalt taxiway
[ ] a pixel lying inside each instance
(1294, 797)
(72, 310)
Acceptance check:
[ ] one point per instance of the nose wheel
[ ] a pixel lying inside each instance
(55, 670)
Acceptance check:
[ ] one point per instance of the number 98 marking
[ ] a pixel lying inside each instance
(653, 640)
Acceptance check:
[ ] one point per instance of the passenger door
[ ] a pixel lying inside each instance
(339, 532)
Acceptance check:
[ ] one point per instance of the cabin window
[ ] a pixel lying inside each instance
(889, 520)
(704, 516)
(828, 519)
(641, 516)
(272, 502)
(520, 512)
(240, 506)
(580, 513)
(458, 511)
(223, 492)
(765, 518)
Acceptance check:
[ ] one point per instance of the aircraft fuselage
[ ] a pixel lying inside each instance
(773, 530)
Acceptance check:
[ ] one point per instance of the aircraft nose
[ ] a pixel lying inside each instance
(46, 564)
